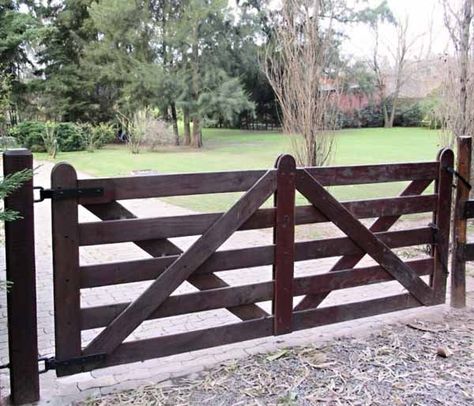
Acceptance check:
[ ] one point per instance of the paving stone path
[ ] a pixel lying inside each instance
(65, 390)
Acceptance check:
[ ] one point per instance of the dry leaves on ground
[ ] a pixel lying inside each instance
(416, 364)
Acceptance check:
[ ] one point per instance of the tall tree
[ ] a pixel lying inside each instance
(63, 90)
(211, 90)
(17, 31)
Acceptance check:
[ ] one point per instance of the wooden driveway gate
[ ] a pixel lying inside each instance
(168, 266)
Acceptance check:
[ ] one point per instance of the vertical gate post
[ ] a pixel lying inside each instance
(458, 265)
(21, 272)
(443, 223)
(284, 240)
(65, 227)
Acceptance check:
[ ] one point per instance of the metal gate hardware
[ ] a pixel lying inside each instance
(58, 194)
(51, 362)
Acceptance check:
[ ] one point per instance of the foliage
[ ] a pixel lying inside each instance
(5, 101)
(32, 134)
(408, 113)
(50, 138)
(96, 136)
(431, 113)
(8, 185)
(29, 135)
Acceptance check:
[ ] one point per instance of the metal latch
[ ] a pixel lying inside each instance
(58, 194)
(51, 363)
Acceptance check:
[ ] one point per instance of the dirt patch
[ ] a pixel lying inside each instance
(421, 363)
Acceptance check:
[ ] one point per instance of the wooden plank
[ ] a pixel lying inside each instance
(148, 269)
(335, 314)
(124, 230)
(463, 209)
(284, 241)
(383, 223)
(136, 187)
(65, 234)
(158, 248)
(191, 341)
(228, 297)
(108, 340)
(363, 237)
(21, 272)
(443, 224)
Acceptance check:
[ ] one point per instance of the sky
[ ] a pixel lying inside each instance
(421, 15)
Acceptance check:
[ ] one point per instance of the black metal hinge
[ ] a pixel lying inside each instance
(51, 363)
(58, 194)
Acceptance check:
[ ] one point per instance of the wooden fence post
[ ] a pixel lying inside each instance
(443, 222)
(458, 265)
(284, 240)
(67, 293)
(21, 272)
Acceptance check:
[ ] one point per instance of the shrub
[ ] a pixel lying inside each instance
(29, 134)
(50, 138)
(369, 116)
(94, 137)
(146, 130)
(105, 132)
(69, 137)
(157, 133)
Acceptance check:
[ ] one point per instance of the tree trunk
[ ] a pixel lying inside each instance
(187, 127)
(386, 119)
(174, 118)
(392, 114)
(463, 94)
(197, 134)
(195, 83)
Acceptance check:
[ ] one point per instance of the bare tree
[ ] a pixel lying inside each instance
(400, 62)
(379, 72)
(298, 68)
(458, 97)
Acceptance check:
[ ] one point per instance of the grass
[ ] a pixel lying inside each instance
(235, 149)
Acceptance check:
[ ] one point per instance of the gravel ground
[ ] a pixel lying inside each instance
(421, 363)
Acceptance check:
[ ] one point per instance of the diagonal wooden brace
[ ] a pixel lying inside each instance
(150, 300)
(349, 261)
(157, 248)
(362, 237)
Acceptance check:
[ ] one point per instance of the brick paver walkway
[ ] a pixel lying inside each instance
(63, 390)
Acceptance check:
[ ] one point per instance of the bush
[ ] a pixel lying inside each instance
(145, 130)
(69, 137)
(50, 138)
(369, 116)
(94, 137)
(30, 134)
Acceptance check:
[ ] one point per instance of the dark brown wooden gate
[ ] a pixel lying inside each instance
(168, 267)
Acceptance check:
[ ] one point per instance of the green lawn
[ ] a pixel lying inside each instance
(234, 149)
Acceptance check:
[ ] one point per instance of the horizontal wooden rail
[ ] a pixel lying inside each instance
(117, 231)
(141, 350)
(136, 187)
(100, 316)
(148, 269)
(469, 209)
